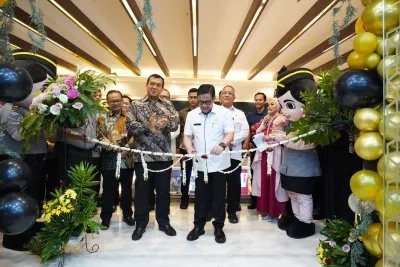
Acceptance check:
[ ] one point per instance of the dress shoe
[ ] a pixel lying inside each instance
(233, 218)
(195, 233)
(167, 229)
(209, 216)
(138, 233)
(239, 208)
(252, 206)
(128, 220)
(151, 207)
(285, 221)
(106, 224)
(184, 205)
(219, 235)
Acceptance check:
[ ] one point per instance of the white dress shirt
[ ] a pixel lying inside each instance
(241, 131)
(174, 135)
(209, 131)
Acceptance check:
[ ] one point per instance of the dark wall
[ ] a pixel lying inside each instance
(246, 107)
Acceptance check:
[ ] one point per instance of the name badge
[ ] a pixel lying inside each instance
(197, 124)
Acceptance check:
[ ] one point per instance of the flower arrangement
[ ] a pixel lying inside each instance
(71, 210)
(66, 102)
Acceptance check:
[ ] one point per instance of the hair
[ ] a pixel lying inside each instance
(112, 92)
(295, 84)
(229, 86)
(130, 99)
(220, 92)
(260, 93)
(206, 89)
(276, 103)
(157, 77)
(192, 90)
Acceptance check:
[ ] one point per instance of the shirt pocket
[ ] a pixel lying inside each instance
(238, 127)
(217, 127)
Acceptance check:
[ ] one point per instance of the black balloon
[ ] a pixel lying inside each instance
(18, 212)
(358, 89)
(14, 176)
(15, 83)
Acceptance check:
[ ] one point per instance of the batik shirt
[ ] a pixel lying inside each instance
(114, 128)
(158, 140)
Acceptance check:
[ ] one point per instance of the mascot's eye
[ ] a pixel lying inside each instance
(290, 105)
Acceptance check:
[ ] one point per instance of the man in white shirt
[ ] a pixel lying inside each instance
(233, 179)
(212, 128)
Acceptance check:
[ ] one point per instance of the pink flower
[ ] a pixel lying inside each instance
(332, 243)
(72, 93)
(69, 81)
(77, 105)
(346, 248)
(56, 91)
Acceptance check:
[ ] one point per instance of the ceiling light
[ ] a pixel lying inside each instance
(308, 25)
(343, 40)
(135, 20)
(194, 30)
(249, 29)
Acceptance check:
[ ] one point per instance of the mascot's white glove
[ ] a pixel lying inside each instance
(216, 150)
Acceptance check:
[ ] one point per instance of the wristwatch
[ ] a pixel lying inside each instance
(222, 144)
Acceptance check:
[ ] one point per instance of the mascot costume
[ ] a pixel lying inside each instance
(40, 67)
(300, 166)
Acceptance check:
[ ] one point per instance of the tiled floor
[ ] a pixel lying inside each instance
(252, 242)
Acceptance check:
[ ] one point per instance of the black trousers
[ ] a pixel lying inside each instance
(97, 177)
(185, 188)
(143, 190)
(234, 186)
(110, 184)
(35, 189)
(52, 179)
(216, 187)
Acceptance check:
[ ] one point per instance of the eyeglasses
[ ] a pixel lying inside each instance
(205, 103)
(115, 101)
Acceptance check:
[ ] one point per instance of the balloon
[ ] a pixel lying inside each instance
(394, 40)
(388, 110)
(387, 66)
(381, 263)
(15, 83)
(380, 48)
(388, 202)
(366, 2)
(14, 176)
(373, 14)
(381, 217)
(358, 27)
(370, 239)
(369, 146)
(391, 237)
(357, 206)
(367, 119)
(392, 89)
(389, 166)
(18, 212)
(365, 184)
(372, 61)
(356, 61)
(389, 126)
(358, 89)
(365, 43)
(3, 2)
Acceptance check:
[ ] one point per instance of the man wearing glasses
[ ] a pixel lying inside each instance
(212, 128)
(154, 120)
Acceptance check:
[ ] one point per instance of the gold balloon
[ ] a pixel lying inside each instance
(389, 126)
(381, 263)
(361, 133)
(373, 14)
(366, 2)
(370, 239)
(388, 202)
(358, 27)
(388, 110)
(356, 61)
(389, 239)
(388, 63)
(380, 48)
(365, 43)
(381, 217)
(365, 184)
(369, 146)
(3, 2)
(389, 166)
(367, 120)
(372, 61)
(392, 89)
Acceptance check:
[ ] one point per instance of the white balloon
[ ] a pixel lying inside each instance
(357, 206)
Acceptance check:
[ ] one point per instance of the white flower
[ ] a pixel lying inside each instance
(56, 108)
(42, 108)
(63, 98)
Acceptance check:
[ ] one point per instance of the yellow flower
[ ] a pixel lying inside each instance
(67, 201)
(58, 212)
(320, 260)
(70, 193)
(61, 198)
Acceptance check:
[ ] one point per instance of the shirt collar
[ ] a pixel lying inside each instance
(113, 115)
(146, 98)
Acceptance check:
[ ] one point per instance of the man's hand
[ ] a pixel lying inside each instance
(163, 122)
(216, 150)
(231, 145)
(267, 137)
(105, 140)
(246, 145)
(152, 122)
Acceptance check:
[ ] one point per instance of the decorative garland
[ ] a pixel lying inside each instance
(357, 247)
(7, 26)
(147, 19)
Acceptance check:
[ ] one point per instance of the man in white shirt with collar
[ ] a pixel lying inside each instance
(233, 179)
(212, 128)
